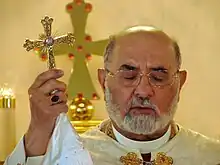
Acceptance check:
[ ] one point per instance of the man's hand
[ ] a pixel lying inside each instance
(43, 111)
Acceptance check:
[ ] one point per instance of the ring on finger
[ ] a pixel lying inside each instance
(55, 99)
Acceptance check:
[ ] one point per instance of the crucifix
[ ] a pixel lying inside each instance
(46, 41)
(80, 81)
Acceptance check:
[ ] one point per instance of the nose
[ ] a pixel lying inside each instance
(144, 89)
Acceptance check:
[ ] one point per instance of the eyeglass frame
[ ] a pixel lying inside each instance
(141, 74)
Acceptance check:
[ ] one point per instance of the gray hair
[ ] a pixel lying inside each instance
(112, 42)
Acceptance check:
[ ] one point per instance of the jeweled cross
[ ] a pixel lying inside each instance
(46, 41)
(80, 81)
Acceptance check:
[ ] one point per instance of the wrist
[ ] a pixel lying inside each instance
(36, 141)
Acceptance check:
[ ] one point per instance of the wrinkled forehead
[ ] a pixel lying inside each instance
(144, 50)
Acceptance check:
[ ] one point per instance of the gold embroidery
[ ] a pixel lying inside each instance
(131, 159)
(106, 127)
(162, 159)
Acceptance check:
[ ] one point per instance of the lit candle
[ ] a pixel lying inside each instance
(7, 118)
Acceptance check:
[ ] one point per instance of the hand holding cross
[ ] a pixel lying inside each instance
(46, 42)
(47, 95)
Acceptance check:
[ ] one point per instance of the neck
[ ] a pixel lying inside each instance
(141, 137)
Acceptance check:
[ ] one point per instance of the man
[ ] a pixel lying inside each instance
(141, 81)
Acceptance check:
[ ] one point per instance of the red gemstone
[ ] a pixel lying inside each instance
(94, 96)
(69, 7)
(79, 48)
(88, 7)
(37, 49)
(43, 57)
(71, 55)
(88, 38)
(80, 95)
(88, 56)
(78, 2)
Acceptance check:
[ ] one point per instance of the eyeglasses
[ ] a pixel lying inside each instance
(131, 78)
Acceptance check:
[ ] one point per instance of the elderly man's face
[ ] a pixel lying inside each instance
(143, 104)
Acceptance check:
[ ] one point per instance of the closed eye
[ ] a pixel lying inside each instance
(129, 75)
(130, 78)
(159, 79)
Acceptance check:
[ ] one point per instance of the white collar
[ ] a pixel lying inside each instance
(143, 146)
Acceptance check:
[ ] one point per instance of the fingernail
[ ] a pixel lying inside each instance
(60, 72)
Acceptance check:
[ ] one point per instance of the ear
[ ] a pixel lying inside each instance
(183, 76)
(101, 78)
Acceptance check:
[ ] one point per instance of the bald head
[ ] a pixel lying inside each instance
(148, 32)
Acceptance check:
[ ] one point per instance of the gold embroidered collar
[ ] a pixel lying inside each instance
(132, 158)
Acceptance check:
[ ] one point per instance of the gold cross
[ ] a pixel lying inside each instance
(131, 159)
(46, 41)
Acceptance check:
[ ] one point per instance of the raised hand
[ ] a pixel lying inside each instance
(44, 111)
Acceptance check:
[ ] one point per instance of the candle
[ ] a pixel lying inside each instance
(7, 118)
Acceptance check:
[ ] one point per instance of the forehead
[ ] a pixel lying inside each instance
(144, 50)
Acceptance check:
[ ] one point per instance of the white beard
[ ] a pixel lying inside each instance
(141, 124)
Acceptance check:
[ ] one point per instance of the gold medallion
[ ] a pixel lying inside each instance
(131, 159)
(163, 159)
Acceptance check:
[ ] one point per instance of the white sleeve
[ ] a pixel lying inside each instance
(64, 148)
(18, 156)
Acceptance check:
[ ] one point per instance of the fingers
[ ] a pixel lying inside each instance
(43, 104)
(43, 110)
(60, 108)
(52, 85)
(62, 97)
(45, 76)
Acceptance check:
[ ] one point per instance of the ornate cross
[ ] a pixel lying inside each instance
(46, 41)
(80, 52)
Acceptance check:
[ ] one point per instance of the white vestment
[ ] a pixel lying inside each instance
(64, 148)
(185, 148)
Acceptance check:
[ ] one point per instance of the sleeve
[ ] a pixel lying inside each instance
(65, 148)
(18, 157)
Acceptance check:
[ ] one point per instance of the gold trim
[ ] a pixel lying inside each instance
(7, 102)
(83, 126)
(131, 158)
(163, 159)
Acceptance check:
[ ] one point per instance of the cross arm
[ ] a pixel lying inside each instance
(62, 49)
(47, 22)
(32, 44)
(97, 47)
(65, 39)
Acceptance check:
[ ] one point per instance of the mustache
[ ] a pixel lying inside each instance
(137, 103)
(142, 103)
